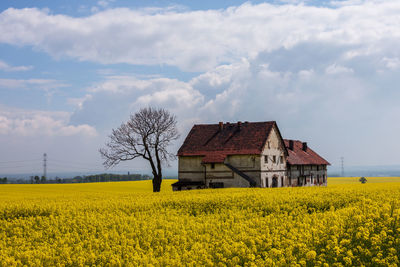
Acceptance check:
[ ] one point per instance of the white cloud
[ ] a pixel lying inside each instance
(6, 67)
(110, 102)
(327, 75)
(17, 122)
(391, 63)
(337, 69)
(200, 40)
(42, 84)
(327, 106)
(120, 84)
(78, 101)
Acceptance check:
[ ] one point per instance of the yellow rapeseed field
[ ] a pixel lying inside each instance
(124, 223)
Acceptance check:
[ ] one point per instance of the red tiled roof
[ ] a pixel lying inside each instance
(298, 156)
(215, 144)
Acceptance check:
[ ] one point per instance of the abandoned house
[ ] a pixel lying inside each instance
(249, 154)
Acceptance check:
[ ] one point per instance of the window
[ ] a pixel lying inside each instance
(281, 181)
(281, 159)
(317, 167)
(269, 144)
(266, 158)
(274, 159)
(212, 165)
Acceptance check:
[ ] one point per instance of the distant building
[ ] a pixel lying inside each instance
(249, 154)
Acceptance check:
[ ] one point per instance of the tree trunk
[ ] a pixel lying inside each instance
(156, 184)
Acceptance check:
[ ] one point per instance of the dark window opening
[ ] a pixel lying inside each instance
(274, 159)
(281, 159)
(212, 165)
(282, 181)
(266, 159)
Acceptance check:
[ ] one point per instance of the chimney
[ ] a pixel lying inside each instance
(239, 125)
(221, 125)
(291, 144)
(304, 146)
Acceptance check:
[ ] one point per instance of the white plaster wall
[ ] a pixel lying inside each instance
(273, 147)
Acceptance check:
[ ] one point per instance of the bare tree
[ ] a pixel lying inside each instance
(147, 134)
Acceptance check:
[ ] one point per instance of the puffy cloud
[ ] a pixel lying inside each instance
(325, 100)
(200, 40)
(327, 75)
(110, 102)
(40, 123)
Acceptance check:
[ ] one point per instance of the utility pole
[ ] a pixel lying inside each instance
(342, 161)
(44, 165)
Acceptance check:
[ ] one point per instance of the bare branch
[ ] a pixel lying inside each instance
(147, 134)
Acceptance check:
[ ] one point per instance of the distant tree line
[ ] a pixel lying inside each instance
(104, 177)
(107, 177)
(38, 180)
(3, 180)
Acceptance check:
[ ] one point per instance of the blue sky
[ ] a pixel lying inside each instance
(70, 71)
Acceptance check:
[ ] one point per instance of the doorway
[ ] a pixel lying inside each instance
(274, 181)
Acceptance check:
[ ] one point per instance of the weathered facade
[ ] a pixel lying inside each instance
(249, 154)
(304, 166)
